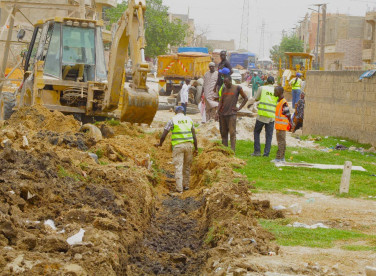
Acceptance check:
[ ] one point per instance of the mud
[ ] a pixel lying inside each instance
(173, 244)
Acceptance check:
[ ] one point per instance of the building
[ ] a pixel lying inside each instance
(343, 39)
(369, 42)
(184, 18)
(228, 45)
(343, 42)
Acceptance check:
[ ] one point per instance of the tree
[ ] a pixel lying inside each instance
(288, 44)
(160, 33)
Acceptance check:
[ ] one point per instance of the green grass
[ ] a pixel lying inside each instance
(333, 141)
(266, 176)
(62, 173)
(320, 237)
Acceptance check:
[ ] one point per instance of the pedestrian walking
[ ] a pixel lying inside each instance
(265, 116)
(227, 110)
(183, 140)
(210, 80)
(184, 93)
(256, 82)
(296, 84)
(282, 123)
(223, 64)
(297, 121)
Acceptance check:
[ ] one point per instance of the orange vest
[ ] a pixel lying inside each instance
(281, 121)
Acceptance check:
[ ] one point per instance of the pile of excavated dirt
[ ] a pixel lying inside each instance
(53, 191)
(38, 117)
(244, 131)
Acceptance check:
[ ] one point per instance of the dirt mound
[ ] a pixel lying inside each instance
(52, 189)
(111, 204)
(38, 117)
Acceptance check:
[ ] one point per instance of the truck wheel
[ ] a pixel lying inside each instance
(7, 102)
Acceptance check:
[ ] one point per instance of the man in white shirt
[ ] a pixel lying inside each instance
(184, 95)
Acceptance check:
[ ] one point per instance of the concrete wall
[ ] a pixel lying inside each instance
(338, 105)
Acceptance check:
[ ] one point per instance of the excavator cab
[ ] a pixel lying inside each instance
(65, 68)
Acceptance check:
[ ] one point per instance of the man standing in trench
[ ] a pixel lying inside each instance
(183, 139)
(227, 110)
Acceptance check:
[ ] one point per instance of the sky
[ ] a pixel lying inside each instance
(222, 19)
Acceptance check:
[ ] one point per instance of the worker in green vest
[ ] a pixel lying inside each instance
(183, 140)
(265, 116)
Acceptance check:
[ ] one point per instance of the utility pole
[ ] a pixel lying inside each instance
(317, 64)
(322, 50)
(243, 41)
(262, 41)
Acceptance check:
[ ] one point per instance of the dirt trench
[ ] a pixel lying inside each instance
(173, 244)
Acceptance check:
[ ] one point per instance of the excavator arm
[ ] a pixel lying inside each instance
(139, 103)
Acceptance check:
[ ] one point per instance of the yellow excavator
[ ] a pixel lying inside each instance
(65, 69)
(295, 63)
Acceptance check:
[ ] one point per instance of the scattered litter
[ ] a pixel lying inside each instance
(294, 152)
(279, 207)
(310, 200)
(303, 225)
(32, 221)
(342, 140)
(94, 156)
(326, 150)
(12, 192)
(373, 174)
(25, 142)
(230, 240)
(50, 223)
(295, 209)
(61, 231)
(76, 238)
(326, 137)
(341, 147)
(271, 253)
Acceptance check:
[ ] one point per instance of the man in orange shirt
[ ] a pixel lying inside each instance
(282, 123)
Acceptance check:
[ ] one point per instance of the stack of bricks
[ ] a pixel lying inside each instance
(337, 104)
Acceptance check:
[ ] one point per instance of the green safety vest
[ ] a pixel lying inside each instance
(268, 102)
(297, 85)
(182, 131)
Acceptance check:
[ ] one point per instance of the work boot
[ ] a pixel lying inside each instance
(256, 154)
(265, 155)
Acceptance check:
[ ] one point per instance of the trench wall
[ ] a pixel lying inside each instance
(337, 104)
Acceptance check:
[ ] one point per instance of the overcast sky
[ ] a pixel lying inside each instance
(222, 19)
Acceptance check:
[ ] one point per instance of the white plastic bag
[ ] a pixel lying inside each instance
(201, 107)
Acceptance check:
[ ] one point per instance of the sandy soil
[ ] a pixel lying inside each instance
(342, 213)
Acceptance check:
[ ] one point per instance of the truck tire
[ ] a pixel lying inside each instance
(7, 102)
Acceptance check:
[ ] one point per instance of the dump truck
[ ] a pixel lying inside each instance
(65, 69)
(174, 69)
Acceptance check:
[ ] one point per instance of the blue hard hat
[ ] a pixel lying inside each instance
(179, 108)
(299, 74)
(224, 71)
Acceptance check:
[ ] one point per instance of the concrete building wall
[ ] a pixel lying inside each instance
(338, 105)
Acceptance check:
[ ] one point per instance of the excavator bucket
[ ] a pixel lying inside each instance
(139, 106)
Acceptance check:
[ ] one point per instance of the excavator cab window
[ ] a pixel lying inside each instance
(78, 62)
(53, 55)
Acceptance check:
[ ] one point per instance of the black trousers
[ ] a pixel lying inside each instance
(268, 137)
